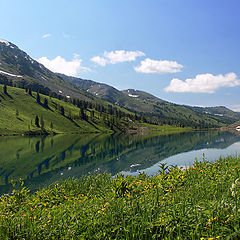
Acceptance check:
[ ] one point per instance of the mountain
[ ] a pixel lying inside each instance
(220, 111)
(155, 108)
(19, 111)
(21, 70)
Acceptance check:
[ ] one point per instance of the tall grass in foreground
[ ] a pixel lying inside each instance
(201, 202)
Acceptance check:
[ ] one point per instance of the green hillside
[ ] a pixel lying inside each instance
(19, 110)
(18, 69)
(156, 109)
(17, 100)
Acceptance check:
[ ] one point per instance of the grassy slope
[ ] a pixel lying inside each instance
(201, 202)
(28, 108)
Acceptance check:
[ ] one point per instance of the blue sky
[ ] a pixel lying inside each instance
(183, 51)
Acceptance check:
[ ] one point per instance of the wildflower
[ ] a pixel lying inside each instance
(201, 170)
(155, 187)
(218, 237)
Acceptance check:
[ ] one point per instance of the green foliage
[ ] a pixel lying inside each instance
(200, 202)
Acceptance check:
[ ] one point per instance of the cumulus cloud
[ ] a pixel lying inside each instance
(99, 60)
(47, 35)
(60, 65)
(116, 57)
(203, 83)
(158, 66)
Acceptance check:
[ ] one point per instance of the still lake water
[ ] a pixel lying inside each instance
(43, 160)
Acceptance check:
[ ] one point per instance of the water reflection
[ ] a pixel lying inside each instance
(43, 160)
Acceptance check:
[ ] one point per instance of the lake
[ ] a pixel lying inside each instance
(43, 160)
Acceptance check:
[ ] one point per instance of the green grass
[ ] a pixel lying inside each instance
(200, 202)
(18, 101)
(28, 109)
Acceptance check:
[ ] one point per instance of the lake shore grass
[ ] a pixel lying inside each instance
(199, 202)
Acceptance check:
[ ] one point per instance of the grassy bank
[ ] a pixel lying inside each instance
(201, 202)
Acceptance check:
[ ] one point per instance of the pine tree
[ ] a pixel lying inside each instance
(51, 126)
(5, 89)
(81, 114)
(45, 103)
(38, 98)
(42, 122)
(92, 114)
(37, 121)
(62, 110)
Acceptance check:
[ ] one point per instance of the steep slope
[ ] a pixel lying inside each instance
(18, 111)
(22, 70)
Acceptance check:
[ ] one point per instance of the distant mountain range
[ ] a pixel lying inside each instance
(142, 102)
(18, 67)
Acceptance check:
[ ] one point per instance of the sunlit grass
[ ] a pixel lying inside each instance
(200, 202)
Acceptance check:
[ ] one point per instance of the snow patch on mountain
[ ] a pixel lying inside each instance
(4, 41)
(135, 96)
(11, 75)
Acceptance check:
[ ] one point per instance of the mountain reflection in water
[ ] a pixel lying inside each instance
(43, 160)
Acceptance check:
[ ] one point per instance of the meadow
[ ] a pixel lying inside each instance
(199, 202)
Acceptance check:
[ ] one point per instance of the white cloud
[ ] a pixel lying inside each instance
(158, 66)
(203, 83)
(47, 35)
(99, 60)
(236, 108)
(116, 57)
(60, 65)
